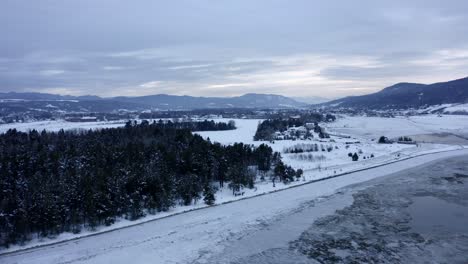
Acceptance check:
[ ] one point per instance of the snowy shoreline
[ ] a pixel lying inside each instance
(18, 249)
(198, 234)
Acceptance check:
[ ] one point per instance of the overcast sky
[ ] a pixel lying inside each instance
(226, 48)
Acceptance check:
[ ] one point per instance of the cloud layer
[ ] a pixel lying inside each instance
(225, 48)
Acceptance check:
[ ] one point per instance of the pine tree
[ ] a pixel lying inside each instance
(355, 157)
(208, 194)
(299, 173)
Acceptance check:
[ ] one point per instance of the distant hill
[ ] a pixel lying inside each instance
(90, 103)
(407, 95)
(44, 96)
(164, 101)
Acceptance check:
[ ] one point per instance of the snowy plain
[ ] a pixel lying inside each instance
(372, 127)
(459, 108)
(364, 130)
(56, 125)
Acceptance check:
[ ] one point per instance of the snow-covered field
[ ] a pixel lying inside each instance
(373, 127)
(59, 124)
(361, 129)
(457, 109)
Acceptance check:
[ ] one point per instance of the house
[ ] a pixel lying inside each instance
(310, 125)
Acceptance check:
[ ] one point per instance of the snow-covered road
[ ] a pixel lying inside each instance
(190, 236)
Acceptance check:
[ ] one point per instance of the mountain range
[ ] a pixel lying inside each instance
(91, 103)
(408, 95)
(398, 96)
(250, 100)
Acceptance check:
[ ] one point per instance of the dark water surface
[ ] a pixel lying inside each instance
(431, 214)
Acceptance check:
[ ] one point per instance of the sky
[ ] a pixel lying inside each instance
(297, 48)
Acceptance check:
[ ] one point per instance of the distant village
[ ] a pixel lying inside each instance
(301, 132)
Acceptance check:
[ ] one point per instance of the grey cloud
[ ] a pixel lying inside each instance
(201, 47)
(389, 71)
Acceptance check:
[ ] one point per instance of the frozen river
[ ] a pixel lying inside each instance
(413, 216)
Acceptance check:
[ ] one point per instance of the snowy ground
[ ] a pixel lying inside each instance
(59, 124)
(365, 131)
(373, 127)
(197, 236)
(459, 108)
(446, 109)
(362, 130)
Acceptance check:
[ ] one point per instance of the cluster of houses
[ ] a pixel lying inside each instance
(293, 133)
(296, 133)
(301, 132)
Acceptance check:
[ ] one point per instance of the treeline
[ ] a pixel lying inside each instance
(224, 112)
(308, 157)
(267, 128)
(300, 148)
(206, 125)
(405, 139)
(66, 181)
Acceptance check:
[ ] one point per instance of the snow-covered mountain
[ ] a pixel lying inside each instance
(406, 95)
(250, 100)
(159, 101)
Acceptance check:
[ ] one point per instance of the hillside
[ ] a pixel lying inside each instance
(89, 103)
(164, 101)
(407, 95)
(159, 101)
